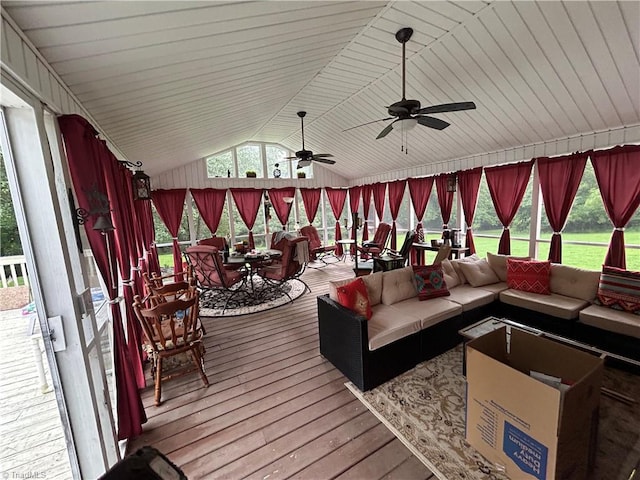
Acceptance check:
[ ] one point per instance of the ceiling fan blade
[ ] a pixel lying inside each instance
(324, 160)
(303, 163)
(386, 130)
(368, 123)
(290, 158)
(448, 107)
(433, 122)
(320, 155)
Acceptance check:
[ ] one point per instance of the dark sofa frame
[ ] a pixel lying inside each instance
(344, 339)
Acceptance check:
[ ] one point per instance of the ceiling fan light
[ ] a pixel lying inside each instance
(408, 123)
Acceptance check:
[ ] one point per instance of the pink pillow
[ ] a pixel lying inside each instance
(529, 275)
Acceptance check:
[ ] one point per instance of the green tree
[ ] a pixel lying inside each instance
(9, 235)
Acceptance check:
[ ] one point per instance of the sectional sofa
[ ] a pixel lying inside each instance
(404, 331)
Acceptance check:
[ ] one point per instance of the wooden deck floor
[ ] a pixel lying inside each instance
(275, 408)
(31, 437)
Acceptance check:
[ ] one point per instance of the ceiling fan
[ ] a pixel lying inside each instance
(307, 156)
(408, 112)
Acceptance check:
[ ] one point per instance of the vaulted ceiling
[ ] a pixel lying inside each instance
(171, 82)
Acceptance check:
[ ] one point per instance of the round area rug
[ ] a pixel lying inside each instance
(246, 302)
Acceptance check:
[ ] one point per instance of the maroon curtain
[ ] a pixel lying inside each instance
(118, 182)
(559, 181)
(248, 203)
(445, 198)
(84, 157)
(170, 205)
(210, 204)
(337, 197)
(354, 204)
(378, 198)
(396, 193)
(420, 191)
(310, 200)
(147, 228)
(469, 185)
(282, 208)
(507, 185)
(367, 191)
(618, 174)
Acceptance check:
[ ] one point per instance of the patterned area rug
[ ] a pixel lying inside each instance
(262, 297)
(425, 409)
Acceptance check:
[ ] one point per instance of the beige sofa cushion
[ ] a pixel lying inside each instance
(479, 273)
(574, 282)
(612, 320)
(451, 278)
(429, 312)
(470, 297)
(499, 264)
(398, 285)
(554, 304)
(456, 265)
(495, 288)
(373, 283)
(388, 325)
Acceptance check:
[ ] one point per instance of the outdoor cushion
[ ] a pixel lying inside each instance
(529, 275)
(456, 265)
(554, 304)
(499, 264)
(495, 288)
(373, 283)
(353, 296)
(398, 285)
(430, 313)
(619, 289)
(612, 320)
(574, 282)
(478, 273)
(451, 277)
(470, 297)
(387, 325)
(430, 281)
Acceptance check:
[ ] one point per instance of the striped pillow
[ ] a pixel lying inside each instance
(619, 289)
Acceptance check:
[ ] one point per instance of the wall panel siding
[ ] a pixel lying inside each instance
(596, 140)
(21, 59)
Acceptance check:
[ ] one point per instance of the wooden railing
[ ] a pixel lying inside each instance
(14, 263)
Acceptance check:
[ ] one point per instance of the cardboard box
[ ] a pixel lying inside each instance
(523, 426)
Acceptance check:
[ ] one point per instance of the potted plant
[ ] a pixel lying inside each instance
(302, 174)
(251, 174)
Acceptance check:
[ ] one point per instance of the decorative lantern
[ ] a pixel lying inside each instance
(141, 186)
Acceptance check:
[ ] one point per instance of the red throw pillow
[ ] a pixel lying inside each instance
(430, 281)
(619, 289)
(529, 275)
(354, 296)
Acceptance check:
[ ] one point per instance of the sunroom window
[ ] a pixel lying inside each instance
(221, 165)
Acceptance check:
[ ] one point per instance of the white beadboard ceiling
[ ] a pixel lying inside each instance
(171, 82)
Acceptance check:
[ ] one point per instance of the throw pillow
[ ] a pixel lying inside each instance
(430, 281)
(456, 265)
(354, 296)
(478, 273)
(450, 276)
(619, 289)
(529, 275)
(499, 264)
